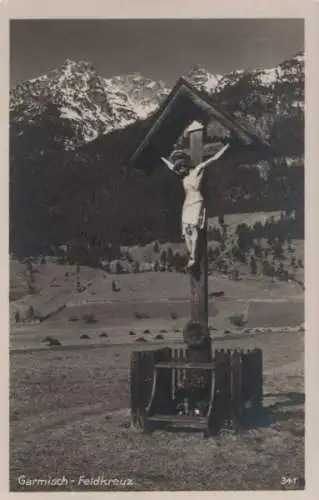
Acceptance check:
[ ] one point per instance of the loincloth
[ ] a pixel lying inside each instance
(189, 223)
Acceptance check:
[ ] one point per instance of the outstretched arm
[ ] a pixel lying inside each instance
(169, 164)
(201, 166)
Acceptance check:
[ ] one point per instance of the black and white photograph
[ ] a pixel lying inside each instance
(157, 255)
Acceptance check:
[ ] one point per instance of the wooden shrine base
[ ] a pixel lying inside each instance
(163, 381)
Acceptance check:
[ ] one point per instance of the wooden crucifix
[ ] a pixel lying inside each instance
(196, 333)
(199, 273)
(191, 168)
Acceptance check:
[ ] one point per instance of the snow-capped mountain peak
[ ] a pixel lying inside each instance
(94, 105)
(144, 94)
(203, 79)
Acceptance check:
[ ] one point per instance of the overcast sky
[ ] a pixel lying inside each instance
(159, 49)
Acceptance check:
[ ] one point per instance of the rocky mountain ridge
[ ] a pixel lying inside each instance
(96, 106)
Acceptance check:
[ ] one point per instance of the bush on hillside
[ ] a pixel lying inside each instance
(118, 267)
(73, 319)
(163, 258)
(238, 319)
(29, 313)
(156, 247)
(89, 318)
(17, 316)
(169, 258)
(234, 274)
(253, 265)
(214, 234)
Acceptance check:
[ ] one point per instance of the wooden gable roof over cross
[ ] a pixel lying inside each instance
(184, 105)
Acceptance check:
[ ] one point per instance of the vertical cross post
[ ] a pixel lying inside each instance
(199, 274)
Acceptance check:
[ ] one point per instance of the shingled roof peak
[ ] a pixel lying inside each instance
(184, 105)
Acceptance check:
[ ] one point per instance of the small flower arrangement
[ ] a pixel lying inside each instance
(192, 395)
(193, 382)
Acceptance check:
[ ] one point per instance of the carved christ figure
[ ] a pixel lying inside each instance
(194, 212)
